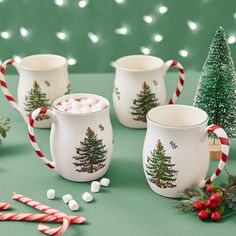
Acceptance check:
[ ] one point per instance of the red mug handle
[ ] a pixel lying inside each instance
(224, 142)
(33, 116)
(178, 90)
(3, 83)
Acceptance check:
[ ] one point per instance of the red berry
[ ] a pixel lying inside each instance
(210, 189)
(215, 216)
(203, 214)
(211, 205)
(216, 198)
(198, 205)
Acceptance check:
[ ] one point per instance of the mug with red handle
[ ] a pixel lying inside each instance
(139, 86)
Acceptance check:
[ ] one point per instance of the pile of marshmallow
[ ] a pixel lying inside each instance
(81, 105)
(87, 197)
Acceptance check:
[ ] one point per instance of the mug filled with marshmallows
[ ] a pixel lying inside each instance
(81, 138)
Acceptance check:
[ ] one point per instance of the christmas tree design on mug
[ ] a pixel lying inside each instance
(160, 170)
(35, 99)
(91, 153)
(145, 101)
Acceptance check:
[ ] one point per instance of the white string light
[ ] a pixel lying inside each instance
(123, 30)
(23, 31)
(183, 53)
(17, 58)
(148, 19)
(71, 61)
(145, 50)
(59, 2)
(158, 37)
(0, 62)
(93, 37)
(192, 25)
(61, 35)
(234, 15)
(120, 1)
(83, 3)
(231, 39)
(5, 35)
(163, 9)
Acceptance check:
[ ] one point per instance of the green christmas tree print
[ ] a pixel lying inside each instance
(216, 92)
(159, 168)
(91, 154)
(36, 99)
(145, 101)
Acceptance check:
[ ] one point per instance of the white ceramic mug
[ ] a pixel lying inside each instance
(176, 149)
(42, 78)
(139, 86)
(81, 143)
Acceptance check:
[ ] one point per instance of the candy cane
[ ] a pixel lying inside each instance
(46, 209)
(5, 206)
(176, 94)
(39, 217)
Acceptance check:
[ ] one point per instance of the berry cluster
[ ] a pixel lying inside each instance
(211, 207)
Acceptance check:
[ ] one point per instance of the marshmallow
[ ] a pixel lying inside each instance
(104, 182)
(51, 194)
(66, 198)
(75, 105)
(101, 104)
(95, 186)
(87, 197)
(73, 205)
(92, 101)
(85, 109)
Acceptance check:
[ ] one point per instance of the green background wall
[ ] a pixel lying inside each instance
(44, 18)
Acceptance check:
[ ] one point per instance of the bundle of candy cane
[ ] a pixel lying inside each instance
(52, 215)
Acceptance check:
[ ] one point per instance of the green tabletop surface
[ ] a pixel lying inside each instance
(127, 206)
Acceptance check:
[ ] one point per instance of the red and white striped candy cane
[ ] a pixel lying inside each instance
(5, 206)
(224, 141)
(3, 83)
(178, 90)
(39, 218)
(46, 209)
(32, 138)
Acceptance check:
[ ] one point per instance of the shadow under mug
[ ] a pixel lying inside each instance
(42, 78)
(176, 149)
(81, 144)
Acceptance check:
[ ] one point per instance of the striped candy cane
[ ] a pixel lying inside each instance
(5, 206)
(39, 218)
(32, 138)
(3, 83)
(178, 90)
(224, 141)
(46, 209)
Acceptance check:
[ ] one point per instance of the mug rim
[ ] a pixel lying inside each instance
(159, 64)
(25, 67)
(53, 105)
(175, 126)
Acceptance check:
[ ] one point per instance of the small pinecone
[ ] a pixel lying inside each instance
(230, 198)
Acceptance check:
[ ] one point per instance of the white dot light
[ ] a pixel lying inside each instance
(148, 19)
(183, 53)
(72, 61)
(61, 35)
(119, 1)
(83, 3)
(145, 50)
(234, 15)
(231, 39)
(59, 2)
(17, 58)
(94, 38)
(5, 35)
(192, 25)
(23, 31)
(122, 30)
(163, 9)
(158, 37)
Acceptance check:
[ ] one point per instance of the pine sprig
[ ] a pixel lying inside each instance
(4, 126)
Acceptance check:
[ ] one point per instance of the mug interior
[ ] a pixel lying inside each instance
(79, 95)
(42, 62)
(139, 63)
(177, 116)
